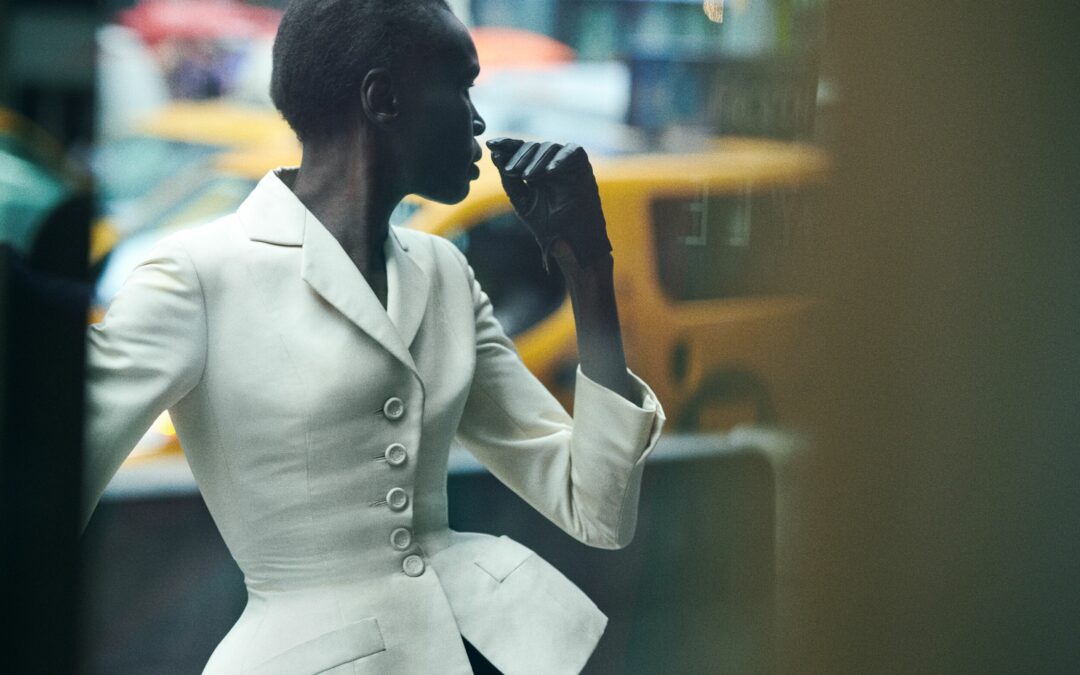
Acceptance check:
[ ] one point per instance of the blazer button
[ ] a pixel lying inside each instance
(401, 538)
(396, 455)
(394, 408)
(397, 499)
(413, 565)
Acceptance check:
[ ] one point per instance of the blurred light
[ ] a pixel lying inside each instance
(714, 9)
(158, 439)
(164, 425)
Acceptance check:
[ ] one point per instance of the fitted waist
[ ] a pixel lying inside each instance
(363, 556)
(360, 616)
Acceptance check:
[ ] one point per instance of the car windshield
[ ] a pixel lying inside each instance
(128, 168)
(177, 205)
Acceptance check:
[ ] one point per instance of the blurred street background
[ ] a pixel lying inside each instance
(845, 238)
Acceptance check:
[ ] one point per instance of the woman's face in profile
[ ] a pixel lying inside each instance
(440, 124)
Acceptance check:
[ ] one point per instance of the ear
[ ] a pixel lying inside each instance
(378, 96)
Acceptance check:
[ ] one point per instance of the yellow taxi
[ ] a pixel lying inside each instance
(704, 246)
(175, 139)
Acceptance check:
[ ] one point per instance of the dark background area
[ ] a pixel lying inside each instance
(47, 65)
(940, 511)
(43, 303)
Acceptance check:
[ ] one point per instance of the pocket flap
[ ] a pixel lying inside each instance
(502, 558)
(327, 651)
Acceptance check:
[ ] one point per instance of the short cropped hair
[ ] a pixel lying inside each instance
(324, 48)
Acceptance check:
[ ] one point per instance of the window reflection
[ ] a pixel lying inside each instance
(503, 255)
(731, 245)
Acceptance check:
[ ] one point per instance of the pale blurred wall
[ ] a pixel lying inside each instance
(130, 84)
(938, 521)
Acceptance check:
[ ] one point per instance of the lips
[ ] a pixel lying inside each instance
(477, 155)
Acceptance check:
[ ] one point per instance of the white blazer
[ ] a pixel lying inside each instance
(317, 426)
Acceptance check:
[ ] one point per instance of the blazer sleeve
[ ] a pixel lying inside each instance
(582, 473)
(146, 354)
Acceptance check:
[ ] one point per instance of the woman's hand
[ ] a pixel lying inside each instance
(553, 190)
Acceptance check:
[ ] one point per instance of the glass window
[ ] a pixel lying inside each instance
(130, 167)
(506, 260)
(176, 205)
(731, 245)
(219, 196)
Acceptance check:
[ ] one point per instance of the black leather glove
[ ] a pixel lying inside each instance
(554, 192)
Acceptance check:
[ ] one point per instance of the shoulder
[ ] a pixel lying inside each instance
(195, 255)
(220, 237)
(206, 246)
(438, 250)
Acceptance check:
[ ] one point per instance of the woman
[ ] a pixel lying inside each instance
(318, 363)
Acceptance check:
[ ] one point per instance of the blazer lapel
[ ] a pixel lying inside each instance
(272, 214)
(407, 288)
(329, 271)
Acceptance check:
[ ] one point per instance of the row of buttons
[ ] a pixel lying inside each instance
(401, 538)
(397, 499)
(412, 565)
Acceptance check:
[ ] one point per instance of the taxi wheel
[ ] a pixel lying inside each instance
(726, 399)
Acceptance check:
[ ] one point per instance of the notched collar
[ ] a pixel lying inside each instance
(271, 213)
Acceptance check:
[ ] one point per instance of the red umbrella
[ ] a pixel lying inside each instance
(500, 47)
(157, 20)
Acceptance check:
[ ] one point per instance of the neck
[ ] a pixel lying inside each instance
(337, 182)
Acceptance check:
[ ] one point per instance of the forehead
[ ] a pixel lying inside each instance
(452, 47)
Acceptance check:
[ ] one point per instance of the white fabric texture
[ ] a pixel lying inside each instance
(276, 361)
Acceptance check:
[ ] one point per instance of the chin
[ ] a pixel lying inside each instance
(447, 195)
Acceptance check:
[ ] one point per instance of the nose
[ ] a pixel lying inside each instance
(478, 124)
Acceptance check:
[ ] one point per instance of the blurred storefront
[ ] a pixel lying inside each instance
(752, 69)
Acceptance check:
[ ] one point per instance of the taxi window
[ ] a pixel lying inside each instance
(217, 197)
(506, 260)
(131, 167)
(725, 246)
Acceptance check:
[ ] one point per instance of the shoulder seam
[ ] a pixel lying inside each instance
(206, 319)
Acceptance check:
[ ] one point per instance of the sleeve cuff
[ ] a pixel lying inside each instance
(634, 429)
